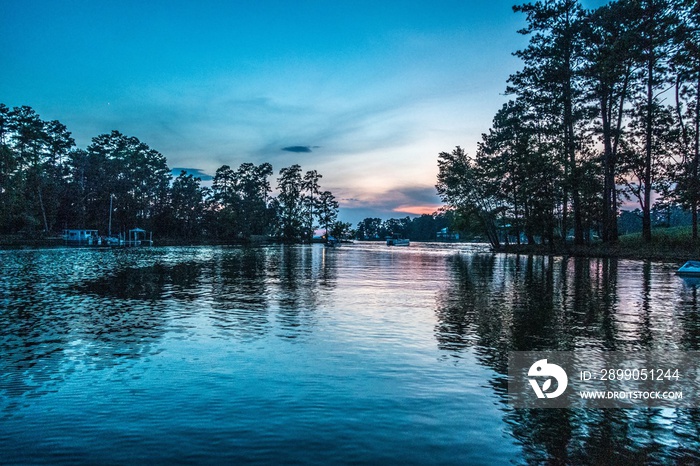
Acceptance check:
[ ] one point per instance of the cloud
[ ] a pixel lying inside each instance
(299, 148)
(196, 172)
(417, 209)
(397, 202)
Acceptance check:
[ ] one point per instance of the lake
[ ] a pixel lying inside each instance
(306, 355)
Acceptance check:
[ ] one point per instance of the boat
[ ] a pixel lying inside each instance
(332, 242)
(690, 269)
(395, 240)
(114, 241)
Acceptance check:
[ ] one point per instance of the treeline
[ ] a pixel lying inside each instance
(662, 216)
(423, 228)
(604, 110)
(118, 183)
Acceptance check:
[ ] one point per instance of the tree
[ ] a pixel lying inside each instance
(254, 191)
(341, 230)
(119, 183)
(187, 203)
(131, 174)
(224, 206)
(327, 210)
(9, 165)
(647, 158)
(464, 187)
(369, 229)
(311, 201)
(58, 146)
(224, 185)
(656, 22)
(28, 138)
(685, 64)
(424, 228)
(521, 164)
(396, 226)
(609, 34)
(551, 83)
(32, 154)
(290, 209)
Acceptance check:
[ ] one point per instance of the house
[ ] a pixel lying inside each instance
(81, 236)
(445, 235)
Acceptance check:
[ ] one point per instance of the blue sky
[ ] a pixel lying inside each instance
(374, 90)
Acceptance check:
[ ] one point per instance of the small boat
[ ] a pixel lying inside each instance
(114, 241)
(332, 242)
(394, 240)
(690, 269)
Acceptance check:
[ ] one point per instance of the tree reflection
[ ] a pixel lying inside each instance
(536, 319)
(502, 303)
(238, 289)
(63, 310)
(300, 273)
(49, 329)
(689, 309)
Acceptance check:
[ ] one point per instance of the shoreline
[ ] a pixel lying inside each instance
(621, 250)
(632, 248)
(10, 242)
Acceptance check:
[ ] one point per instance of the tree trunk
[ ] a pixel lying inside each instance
(568, 96)
(696, 162)
(516, 220)
(574, 177)
(564, 214)
(608, 172)
(43, 210)
(491, 231)
(616, 142)
(646, 206)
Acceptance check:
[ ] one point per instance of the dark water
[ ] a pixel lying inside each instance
(298, 355)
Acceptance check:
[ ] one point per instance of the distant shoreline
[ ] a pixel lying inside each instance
(23, 241)
(627, 248)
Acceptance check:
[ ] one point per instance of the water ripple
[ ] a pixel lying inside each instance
(303, 354)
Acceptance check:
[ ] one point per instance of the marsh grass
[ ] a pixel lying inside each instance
(666, 243)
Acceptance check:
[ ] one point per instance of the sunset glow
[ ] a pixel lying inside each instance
(417, 209)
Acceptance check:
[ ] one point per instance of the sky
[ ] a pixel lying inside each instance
(366, 93)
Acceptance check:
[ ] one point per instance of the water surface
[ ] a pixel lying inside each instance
(299, 354)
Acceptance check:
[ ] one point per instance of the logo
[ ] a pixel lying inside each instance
(542, 369)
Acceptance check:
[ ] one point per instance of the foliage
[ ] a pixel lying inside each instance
(467, 187)
(590, 125)
(118, 183)
(327, 210)
(129, 176)
(422, 228)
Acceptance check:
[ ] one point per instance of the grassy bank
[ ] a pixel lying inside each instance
(29, 241)
(670, 244)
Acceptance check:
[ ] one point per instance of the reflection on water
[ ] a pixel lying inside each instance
(302, 354)
(502, 303)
